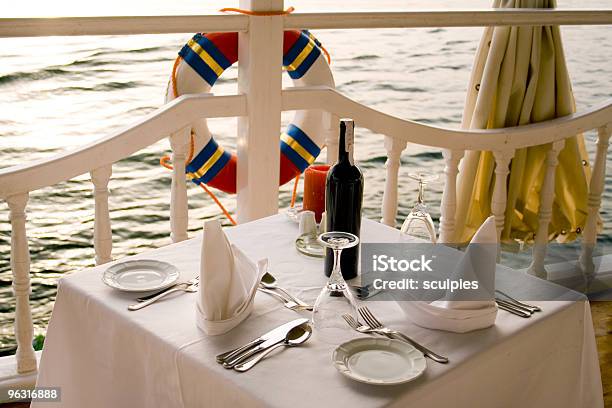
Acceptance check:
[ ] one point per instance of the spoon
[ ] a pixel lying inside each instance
(365, 292)
(269, 282)
(294, 337)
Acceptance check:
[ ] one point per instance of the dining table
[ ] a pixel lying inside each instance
(100, 354)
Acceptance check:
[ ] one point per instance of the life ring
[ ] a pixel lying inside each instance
(203, 60)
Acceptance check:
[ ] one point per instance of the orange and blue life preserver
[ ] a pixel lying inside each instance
(205, 57)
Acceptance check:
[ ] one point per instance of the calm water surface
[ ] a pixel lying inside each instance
(60, 93)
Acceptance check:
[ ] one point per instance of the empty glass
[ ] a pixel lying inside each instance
(419, 224)
(335, 298)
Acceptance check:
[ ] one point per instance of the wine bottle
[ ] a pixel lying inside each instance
(343, 199)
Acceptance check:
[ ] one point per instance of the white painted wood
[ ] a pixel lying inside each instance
(103, 235)
(446, 18)
(188, 108)
(547, 197)
(569, 274)
(331, 137)
(37, 27)
(449, 195)
(34, 27)
(179, 212)
(260, 52)
(446, 138)
(11, 380)
(500, 190)
(394, 148)
(20, 266)
(166, 120)
(598, 178)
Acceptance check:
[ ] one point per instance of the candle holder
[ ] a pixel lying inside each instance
(314, 189)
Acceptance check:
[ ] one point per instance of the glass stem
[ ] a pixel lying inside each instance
(336, 281)
(421, 196)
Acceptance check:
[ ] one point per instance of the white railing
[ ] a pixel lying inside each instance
(261, 122)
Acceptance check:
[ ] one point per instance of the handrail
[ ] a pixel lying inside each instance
(447, 138)
(188, 108)
(448, 18)
(116, 25)
(71, 26)
(157, 125)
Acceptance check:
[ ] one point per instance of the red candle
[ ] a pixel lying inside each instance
(314, 189)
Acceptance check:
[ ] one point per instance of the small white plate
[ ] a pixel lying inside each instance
(379, 361)
(140, 275)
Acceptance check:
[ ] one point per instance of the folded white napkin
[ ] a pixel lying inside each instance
(228, 282)
(460, 316)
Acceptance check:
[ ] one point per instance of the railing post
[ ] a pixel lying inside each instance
(449, 195)
(394, 149)
(103, 236)
(598, 178)
(547, 197)
(500, 191)
(179, 212)
(20, 265)
(260, 53)
(331, 137)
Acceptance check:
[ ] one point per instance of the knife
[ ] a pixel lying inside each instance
(159, 292)
(255, 346)
(508, 307)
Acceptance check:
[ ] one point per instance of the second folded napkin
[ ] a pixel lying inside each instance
(451, 314)
(228, 282)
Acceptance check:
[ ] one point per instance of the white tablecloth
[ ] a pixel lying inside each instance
(102, 355)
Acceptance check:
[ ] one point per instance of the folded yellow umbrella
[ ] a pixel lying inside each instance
(520, 77)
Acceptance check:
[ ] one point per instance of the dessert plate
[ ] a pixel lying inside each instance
(140, 275)
(379, 361)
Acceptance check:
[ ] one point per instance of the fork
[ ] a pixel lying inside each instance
(181, 287)
(361, 328)
(152, 295)
(289, 304)
(378, 327)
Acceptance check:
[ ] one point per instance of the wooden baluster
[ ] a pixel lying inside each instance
(500, 191)
(331, 136)
(103, 235)
(547, 197)
(20, 265)
(449, 195)
(394, 149)
(179, 212)
(598, 176)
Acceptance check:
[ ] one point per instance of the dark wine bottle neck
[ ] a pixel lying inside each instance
(343, 154)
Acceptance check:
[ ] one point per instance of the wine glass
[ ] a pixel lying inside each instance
(419, 224)
(335, 298)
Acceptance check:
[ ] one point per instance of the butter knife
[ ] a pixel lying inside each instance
(259, 344)
(152, 295)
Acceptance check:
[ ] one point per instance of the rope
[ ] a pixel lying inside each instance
(257, 13)
(295, 186)
(173, 77)
(164, 159)
(326, 54)
(270, 13)
(164, 162)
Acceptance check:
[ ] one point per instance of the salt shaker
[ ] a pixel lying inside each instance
(308, 224)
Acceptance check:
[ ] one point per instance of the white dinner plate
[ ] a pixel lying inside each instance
(379, 361)
(140, 275)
